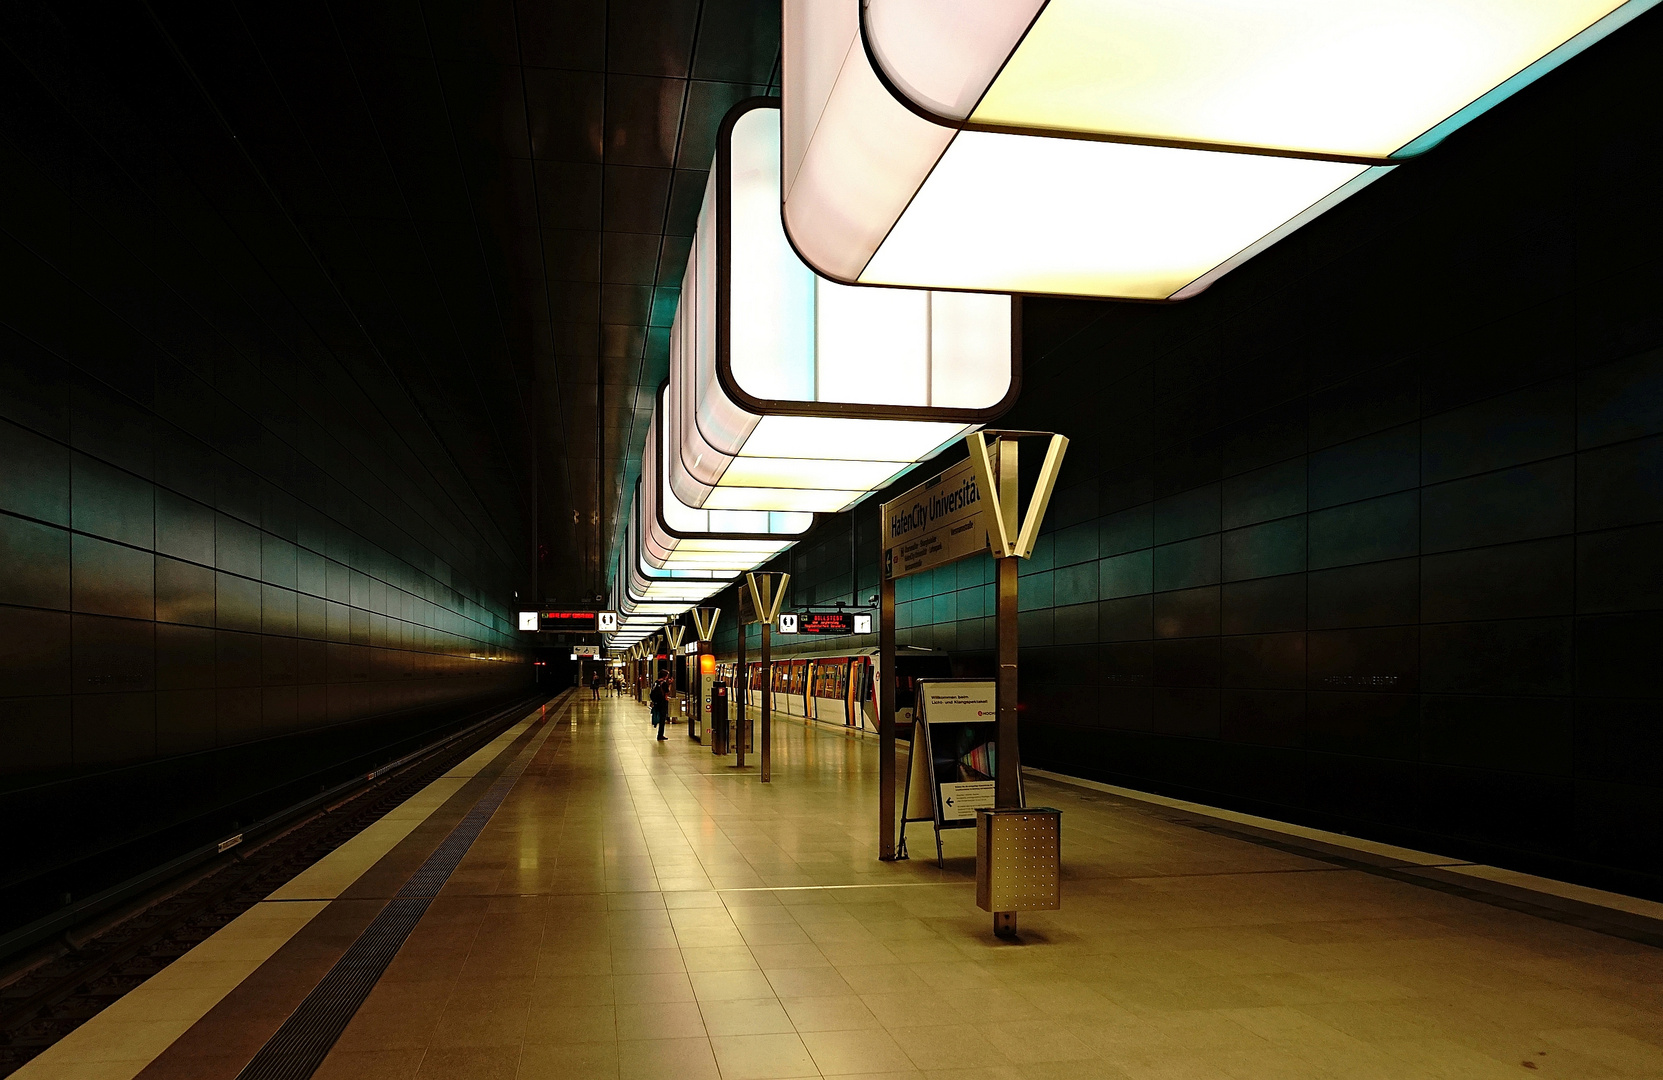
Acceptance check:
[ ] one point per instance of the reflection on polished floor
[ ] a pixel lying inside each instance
(643, 909)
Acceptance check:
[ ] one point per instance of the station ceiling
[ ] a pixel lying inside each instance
(500, 195)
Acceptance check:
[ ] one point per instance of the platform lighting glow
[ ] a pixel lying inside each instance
(677, 536)
(877, 194)
(644, 596)
(811, 394)
(647, 584)
(1370, 79)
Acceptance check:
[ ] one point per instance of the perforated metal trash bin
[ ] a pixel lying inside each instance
(1019, 859)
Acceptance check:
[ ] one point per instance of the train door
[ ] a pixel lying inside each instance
(851, 691)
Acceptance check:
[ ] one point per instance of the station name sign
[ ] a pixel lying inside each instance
(939, 521)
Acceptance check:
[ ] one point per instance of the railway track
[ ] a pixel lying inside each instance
(94, 965)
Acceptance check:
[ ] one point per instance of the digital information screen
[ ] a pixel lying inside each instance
(833, 622)
(573, 622)
(825, 622)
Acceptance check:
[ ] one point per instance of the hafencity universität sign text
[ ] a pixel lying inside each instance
(939, 521)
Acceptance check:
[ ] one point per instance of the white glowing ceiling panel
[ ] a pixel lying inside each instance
(877, 193)
(645, 592)
(790, 392)
(678, 536)
(1372, 80)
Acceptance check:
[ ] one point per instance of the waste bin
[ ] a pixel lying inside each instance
(719, 717)
(1018, 863)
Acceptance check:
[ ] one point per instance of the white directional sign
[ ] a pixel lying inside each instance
(528, 620)
(607, 622)
(959, 802)
(788, 622)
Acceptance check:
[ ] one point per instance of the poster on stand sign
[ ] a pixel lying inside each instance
(954, 757)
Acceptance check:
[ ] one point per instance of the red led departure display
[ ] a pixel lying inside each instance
(574, 621)
(826, 622)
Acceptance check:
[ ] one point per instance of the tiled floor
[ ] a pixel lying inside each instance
(640, 909)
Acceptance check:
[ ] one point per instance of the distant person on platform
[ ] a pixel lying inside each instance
(660, 700)
(595, 687)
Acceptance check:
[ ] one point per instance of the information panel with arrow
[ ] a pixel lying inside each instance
(954, 757)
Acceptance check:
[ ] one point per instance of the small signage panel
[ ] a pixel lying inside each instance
(939, 521)
(585, 652)
(528, 620)
(863, 623)
(606, 622)
(788, 622)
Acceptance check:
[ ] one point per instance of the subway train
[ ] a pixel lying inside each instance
(838, 688)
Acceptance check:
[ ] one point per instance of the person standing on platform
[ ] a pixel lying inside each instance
(660, 700)
(595, 687)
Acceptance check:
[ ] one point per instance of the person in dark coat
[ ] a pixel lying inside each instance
(660, 700)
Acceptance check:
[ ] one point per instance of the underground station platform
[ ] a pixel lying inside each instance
(581, 900)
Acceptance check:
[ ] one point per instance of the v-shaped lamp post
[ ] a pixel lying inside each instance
(1010, 537)
(767, 592)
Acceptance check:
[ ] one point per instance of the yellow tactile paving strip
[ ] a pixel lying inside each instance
(121, 1041)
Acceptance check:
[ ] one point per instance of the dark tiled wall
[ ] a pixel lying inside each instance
(1371, 533)
(223, 524)
(162, 598)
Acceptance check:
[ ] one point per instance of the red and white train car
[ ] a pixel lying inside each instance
(840, 688)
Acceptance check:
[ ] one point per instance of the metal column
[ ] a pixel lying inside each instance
(1007, 791)
(744, 692)
(885, 674)
(767, 703)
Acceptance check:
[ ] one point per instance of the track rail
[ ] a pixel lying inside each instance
(94, 964)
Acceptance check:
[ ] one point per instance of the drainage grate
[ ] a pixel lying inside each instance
(306, 1037)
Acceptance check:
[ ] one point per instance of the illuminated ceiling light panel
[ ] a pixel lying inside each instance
(677, 536)
(1367, 80)
(645, 597)
(646, 584)
(877, 194)
(792, 393)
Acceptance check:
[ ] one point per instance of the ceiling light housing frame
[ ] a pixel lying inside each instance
(1428, 140)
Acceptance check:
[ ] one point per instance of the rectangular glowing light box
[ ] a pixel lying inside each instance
(1364, 80)
(790, 392)
(645, 582)
(677, 536)
(877, 192)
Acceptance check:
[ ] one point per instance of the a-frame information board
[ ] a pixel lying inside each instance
(953, 760)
